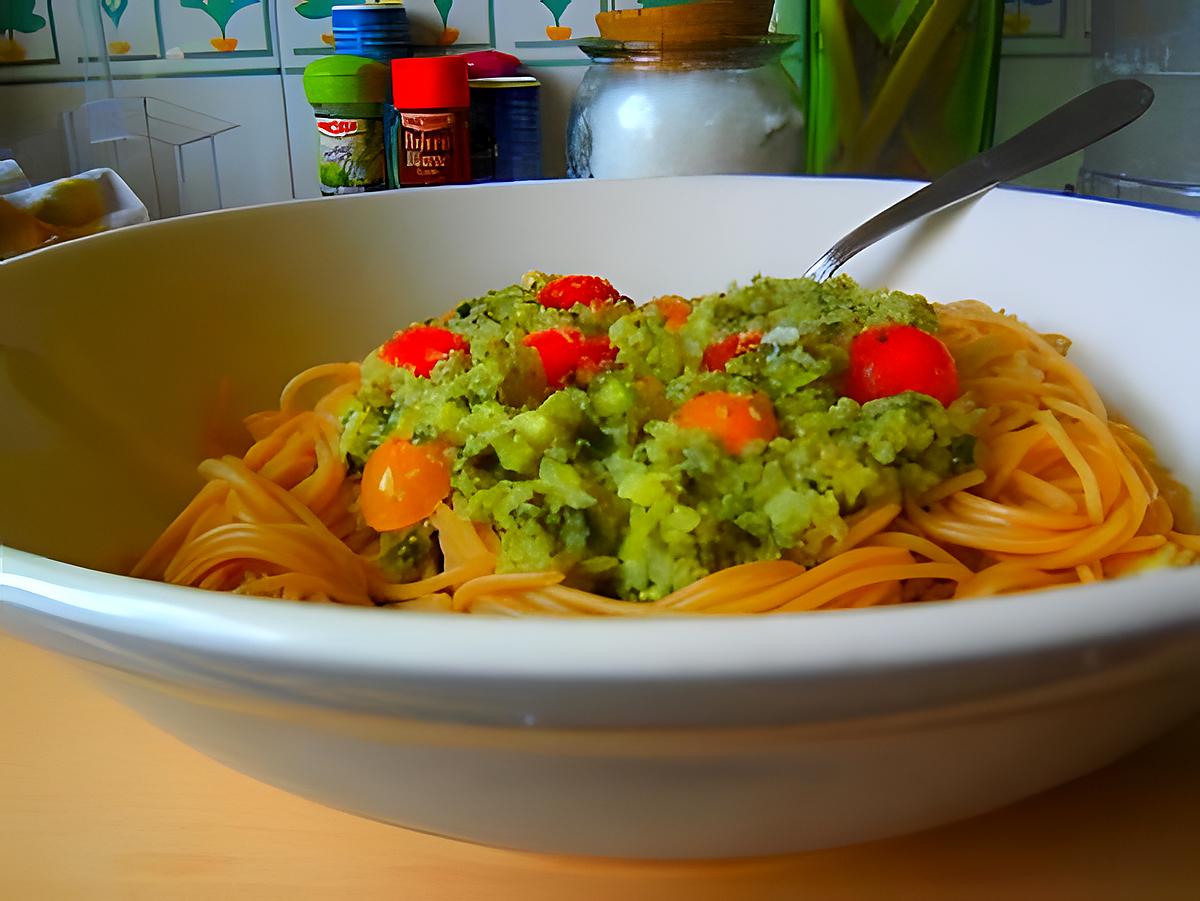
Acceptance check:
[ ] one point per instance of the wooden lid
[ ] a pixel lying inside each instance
(708, 22)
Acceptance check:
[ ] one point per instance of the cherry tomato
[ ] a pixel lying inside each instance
(733, 419)
(565, 352)
(718, 355)
(890, 359)
(589, 290)
(403, 483)
(422, 347)
(674, 311)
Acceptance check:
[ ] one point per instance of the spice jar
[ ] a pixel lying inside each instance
(346, 93)
(376, 29)
(429, 143)
(721, 107)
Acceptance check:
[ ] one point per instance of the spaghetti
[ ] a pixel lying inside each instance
(1060, 494)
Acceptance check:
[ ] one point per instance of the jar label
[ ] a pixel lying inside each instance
(434, 148)
(351, 155)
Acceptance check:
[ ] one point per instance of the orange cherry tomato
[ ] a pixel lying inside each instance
(403, 483)
(674, 311)
(733, 419)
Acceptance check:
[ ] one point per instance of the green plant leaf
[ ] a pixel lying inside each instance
(444, 6)
(557, 8)
(18, 15)
(114, 9)
(888, 18)
(316, 9)
(323, 9)
(220, 11)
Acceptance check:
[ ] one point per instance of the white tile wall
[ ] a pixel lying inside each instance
(253, 158)
(257, 84)
(302, 138)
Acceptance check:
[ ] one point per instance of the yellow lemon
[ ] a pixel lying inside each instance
(72, 203)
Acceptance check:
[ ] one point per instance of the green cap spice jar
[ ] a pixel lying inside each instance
(347, 95)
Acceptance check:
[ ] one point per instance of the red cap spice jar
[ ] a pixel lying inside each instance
(430, 143)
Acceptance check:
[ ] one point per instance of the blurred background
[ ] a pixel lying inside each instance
(200, 104)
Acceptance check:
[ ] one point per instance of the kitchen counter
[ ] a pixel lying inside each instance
(96, 804)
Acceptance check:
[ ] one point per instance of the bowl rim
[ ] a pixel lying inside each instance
(682, 648)
(1048, 194)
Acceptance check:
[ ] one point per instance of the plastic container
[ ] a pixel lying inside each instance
(429, 137)
(347, 94)
(1154, 160)
(11, 177)
(637, 111)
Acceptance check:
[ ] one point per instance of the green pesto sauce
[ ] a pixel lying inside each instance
(595, 481)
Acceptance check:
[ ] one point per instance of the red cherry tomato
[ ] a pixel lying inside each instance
(422, 347)
(718, 355)
(565, 352)
(589, 290)
(598, 353)
(890, 359)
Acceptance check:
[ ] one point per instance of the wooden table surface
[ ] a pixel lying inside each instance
(96, 804)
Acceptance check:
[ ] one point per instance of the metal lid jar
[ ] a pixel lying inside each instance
(722, 107)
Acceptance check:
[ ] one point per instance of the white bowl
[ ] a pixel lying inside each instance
(683, 738)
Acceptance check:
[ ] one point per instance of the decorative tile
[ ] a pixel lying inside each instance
(546, 29)
(1035, 18)
(456, 23)
(202, 29)
(1047, 27)
(27, 33)
(131, 29)
(306, 28)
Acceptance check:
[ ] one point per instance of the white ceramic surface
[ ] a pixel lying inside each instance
(687, 738)
(12, 178)
(121, 206)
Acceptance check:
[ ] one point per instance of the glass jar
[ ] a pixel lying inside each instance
(898, 87)
(725, 108)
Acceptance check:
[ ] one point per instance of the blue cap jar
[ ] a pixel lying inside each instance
(378, 31)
